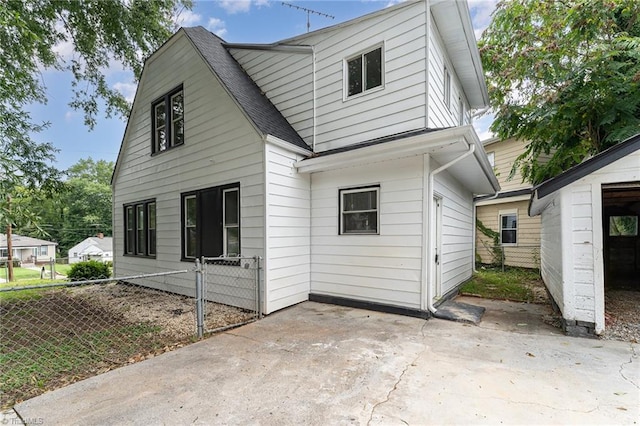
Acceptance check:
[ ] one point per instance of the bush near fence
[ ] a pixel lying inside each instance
(56, 334)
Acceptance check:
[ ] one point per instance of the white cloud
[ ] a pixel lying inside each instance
(242, 6)
(128, 90)
(69, 116)
(186, 18)
(235, 6)
(481, 11)
(217, 27)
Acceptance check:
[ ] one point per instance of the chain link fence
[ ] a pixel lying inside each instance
(502, 256)
(229, 282)
(54, 333)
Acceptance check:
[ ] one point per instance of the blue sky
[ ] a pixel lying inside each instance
(239, 21)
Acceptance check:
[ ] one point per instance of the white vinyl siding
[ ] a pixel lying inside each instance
(443, 104)
(287, 80)
(288, 219)
(572, 241)
(384, 268)
(221, 148)
(457, 232)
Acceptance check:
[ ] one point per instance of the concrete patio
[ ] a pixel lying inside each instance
(323, 364)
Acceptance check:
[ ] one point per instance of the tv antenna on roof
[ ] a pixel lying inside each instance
(309, 11)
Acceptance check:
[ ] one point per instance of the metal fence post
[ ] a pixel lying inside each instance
(199, 300)
(52, 267)
(258, 293)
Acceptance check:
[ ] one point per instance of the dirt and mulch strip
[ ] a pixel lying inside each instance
(622, 307)
(53, 338)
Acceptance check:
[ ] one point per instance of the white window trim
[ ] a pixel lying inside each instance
(446, 83)
(187, 226)
(225, 227)
(508, 212)
(352, 190)
(491, 154)
(345, 72)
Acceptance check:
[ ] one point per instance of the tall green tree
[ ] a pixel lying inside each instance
(31, 33)
(564, 76)
(81, 209)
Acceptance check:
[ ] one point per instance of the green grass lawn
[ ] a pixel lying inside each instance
(512, 284)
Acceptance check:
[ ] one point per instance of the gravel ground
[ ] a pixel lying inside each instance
(622, 315)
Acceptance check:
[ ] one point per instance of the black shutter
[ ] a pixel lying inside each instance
(210, 223)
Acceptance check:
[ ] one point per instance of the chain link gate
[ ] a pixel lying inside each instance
(227, 282)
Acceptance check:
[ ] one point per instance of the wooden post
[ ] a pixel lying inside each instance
(9, 253)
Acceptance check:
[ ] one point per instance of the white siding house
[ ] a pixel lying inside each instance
(583, 253)
(98, 248)
(353, 181)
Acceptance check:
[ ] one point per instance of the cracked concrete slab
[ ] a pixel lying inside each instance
(322, 364)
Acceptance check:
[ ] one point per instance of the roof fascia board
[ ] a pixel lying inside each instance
(413, 145)
(273, 140)
(274, 47)
(504, 200)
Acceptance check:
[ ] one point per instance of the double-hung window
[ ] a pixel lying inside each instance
(167, 120)
(44, 250)
(359, 210)
(509, 229)
(140, 229)
(364, 71)
(211, 222)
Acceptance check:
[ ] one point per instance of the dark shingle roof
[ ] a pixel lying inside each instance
(246, 92)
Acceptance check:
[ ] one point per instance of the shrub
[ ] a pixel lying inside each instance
(89, 270)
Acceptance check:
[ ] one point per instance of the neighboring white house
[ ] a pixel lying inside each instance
(28, 250)
(344, 157)
(98, 248)
(589, 238)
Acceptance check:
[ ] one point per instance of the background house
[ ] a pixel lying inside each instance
(229, 146)
(506, 213)
(590, 241)
(28, 250)
(98, 248)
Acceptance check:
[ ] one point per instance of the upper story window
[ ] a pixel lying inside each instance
(359, 210)
(447, 87)
(460, 112)
(491, 156)
(364, 72)
(167, 121)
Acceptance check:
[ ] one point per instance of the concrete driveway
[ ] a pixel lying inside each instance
(323, 364)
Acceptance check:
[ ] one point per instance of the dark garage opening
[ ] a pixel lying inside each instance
(621, 223)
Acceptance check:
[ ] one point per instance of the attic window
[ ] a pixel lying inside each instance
(167, 121)
(364, 72)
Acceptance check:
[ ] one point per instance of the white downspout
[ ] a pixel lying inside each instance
(313, 70)
(430, 277)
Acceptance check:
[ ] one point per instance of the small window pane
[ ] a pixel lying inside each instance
(160, 114)
(623, 226)
(508, 237)
(161, 139)
(130, 235)
(373, 68)
(491, 156)
(361, 223)
(190, 232)
(231, 208)
(177, 106)
(233, 242)
(509, 222)
(178, 132)
(140, 223)
(357, 201)
(151, 226)
(354, 70)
